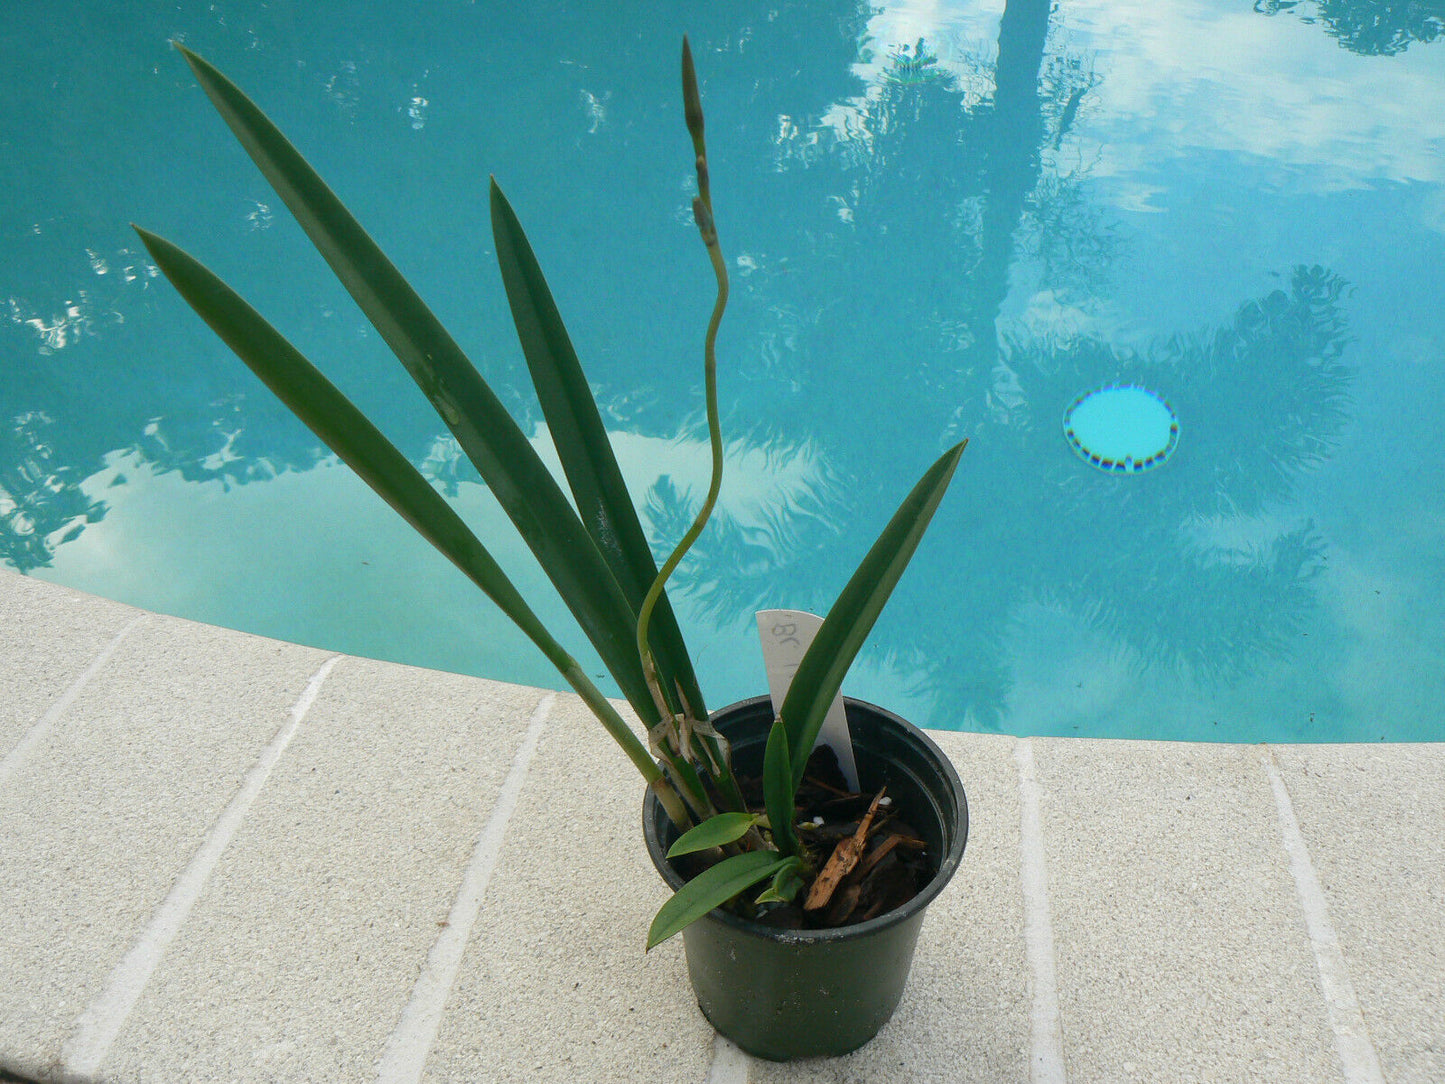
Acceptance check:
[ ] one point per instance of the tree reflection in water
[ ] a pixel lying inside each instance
(912, 224)
(884, 227)
(1368, 27)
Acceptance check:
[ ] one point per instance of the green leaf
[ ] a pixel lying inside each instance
(786, 883)
(476, 417)
(596, 481)
(779, 790)
(359, 444)
(334, 419)
(714, 832)
(837, 643)
(711, 888)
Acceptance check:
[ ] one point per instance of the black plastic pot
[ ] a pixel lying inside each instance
(784, 994)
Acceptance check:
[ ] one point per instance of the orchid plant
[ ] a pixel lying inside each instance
(596, 554)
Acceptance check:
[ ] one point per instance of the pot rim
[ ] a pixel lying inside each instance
(903, 913)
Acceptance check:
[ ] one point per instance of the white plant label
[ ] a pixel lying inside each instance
(785, 636)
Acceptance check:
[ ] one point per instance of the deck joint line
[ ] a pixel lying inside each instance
(403, 1060)
(96, 1029)
(13, 760)
(1046, 1057)
(1358, 1058)
(729, 1063)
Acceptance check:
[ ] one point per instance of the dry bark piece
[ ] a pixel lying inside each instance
(844, 857)
(844, 904)
(828, 812)
(876, 855)
(890, 885)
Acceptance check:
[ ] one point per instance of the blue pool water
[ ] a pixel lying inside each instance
(942, 220)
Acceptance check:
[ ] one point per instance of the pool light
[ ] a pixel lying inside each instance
(1122, 429)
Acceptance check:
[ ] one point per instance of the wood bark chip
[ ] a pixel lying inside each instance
(879, 852)
(845, 856)
(844, 903)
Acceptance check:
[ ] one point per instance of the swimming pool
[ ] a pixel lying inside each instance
(943, 220)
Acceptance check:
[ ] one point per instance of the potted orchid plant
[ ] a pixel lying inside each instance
(798, 894)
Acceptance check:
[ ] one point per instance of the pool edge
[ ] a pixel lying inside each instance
(1162, 910)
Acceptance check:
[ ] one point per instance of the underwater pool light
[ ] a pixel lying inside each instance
(1122, 429)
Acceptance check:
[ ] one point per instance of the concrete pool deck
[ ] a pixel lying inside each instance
(229, 858)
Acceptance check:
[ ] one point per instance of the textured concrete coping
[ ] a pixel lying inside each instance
(224, 858)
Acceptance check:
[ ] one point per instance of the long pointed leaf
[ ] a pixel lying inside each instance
(711, 888)
(779, 790)
(837, 643)
(581, 440)
(362, 447)
(483, 427)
